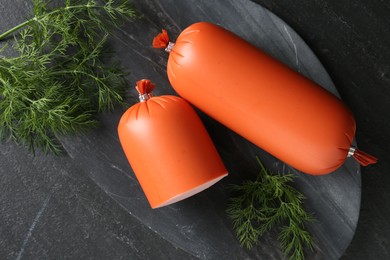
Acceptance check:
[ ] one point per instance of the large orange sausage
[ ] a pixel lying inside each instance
(263, 100)
(168, 148)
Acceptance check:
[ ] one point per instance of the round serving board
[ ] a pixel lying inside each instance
(199, 225)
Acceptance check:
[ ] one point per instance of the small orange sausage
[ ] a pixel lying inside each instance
(263, 100)
(168, 148)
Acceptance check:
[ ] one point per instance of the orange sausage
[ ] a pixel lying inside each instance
(168, 148)
(263, 100)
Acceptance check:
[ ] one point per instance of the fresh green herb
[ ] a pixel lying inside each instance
(266, 203)
(57, 78)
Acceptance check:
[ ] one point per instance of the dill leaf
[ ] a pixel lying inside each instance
(267, 203)
(58, 77)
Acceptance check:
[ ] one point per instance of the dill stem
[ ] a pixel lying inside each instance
(37, 18)
(97, 79)
(17, 27)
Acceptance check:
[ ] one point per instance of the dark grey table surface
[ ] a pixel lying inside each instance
(88, 203)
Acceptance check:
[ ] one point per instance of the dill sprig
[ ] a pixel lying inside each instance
(57, 78)
(270, 202)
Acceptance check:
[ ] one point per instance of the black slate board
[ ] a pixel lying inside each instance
(199, 225)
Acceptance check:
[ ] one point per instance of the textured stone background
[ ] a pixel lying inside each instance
(56, 208)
